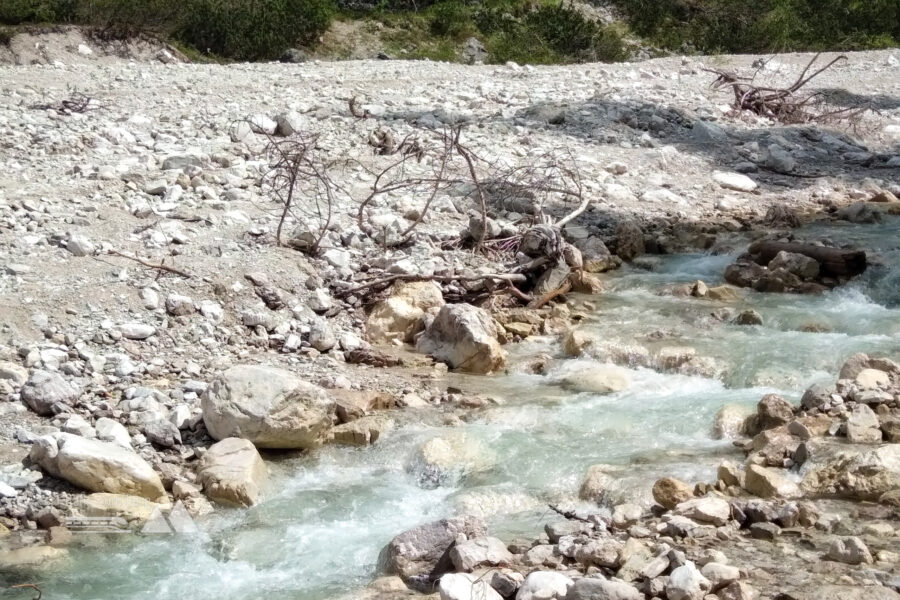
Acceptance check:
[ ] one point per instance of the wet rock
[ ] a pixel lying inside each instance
(402, 314)
(731, 422)
(361, 432)
(481, 551)
(577, 341)
(768, 483)
(600, 379)
(596, 256)
(270, 407)
(597, 482)
(463, 586)
(97, 466)
(748, 317)
(464, 337)
(629, 240)
(47, 393)
(444, 459)
(544, 585)
(802, 266)
(851, 551)
(419, 555)
(232, 472)
(773, 411)
(670, 492)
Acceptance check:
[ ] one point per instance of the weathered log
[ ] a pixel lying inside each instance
(834, 262)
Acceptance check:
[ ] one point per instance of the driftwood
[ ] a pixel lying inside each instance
(160, 266)
(834, 262)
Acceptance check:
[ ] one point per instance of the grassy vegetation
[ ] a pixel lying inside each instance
(765, 25)
(234, 29)
(525, 31)
(521, 31)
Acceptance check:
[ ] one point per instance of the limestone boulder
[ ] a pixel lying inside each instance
(97, 466)
(464, 337)
(478, 552)
(598, 379)
(232, 472)
(270, 407)
(415, 555)
(402, 314)
(670, 492)
(769, 483)
(862, 476)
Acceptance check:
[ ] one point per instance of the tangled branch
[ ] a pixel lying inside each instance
(787, 104)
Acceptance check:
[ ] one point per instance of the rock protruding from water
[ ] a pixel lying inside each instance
(464, 337)
(232, 472)
(270, 407)
(794, 267)
(421, 555)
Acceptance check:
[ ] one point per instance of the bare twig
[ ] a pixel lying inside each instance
(567, 514)
(160, 266)
(32, 586)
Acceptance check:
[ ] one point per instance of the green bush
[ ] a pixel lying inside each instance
(16, 12)
(451, 18)
(765, 25)
(254, 30)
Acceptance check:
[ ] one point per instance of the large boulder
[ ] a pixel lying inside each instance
(270, 407)
(465, 337)
(773, 411)
(421, 555)
(629, 241)
(97, 466)
(863, 476)
(232, 472)
(47, 393)
(712, 510)
(402, 314)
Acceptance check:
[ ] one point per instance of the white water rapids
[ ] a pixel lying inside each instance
(318, 532)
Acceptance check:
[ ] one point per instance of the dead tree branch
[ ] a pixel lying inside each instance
(783, 104)
(159, 266)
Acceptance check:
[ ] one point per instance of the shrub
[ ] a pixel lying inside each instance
(451, 18)
(254, 30)
(15, 12)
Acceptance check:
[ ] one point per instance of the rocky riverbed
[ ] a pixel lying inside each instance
(159, 348)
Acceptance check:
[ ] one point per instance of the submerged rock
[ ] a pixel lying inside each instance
(600, 379)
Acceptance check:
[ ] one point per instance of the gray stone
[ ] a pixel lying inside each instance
(851, 551)
(418, 552)
(482, 551)
(687, 583)
(47, 393)
(601, 589)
